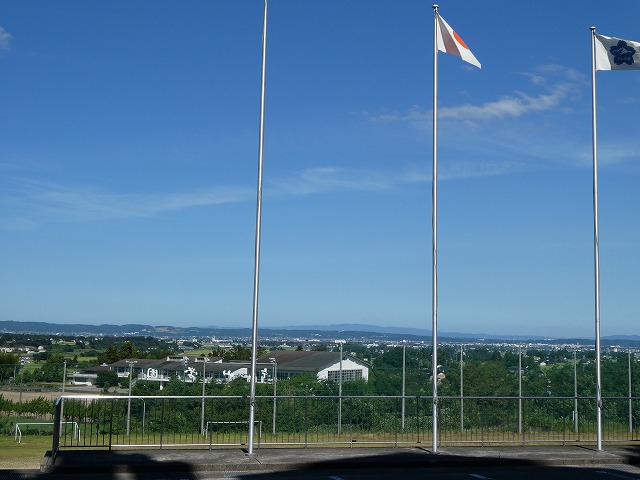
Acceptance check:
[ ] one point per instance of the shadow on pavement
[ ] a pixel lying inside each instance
(454, 467)
(309, 464)
(111, 464)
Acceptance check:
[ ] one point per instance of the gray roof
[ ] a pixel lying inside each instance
(176, 365)
(293, 359)
(138, 362)
(287, 360)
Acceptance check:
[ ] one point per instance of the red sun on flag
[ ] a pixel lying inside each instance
(460, 41)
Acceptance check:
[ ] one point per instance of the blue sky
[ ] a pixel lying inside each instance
(129, 150)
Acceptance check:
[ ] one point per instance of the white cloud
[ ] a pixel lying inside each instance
(613, 153)
(474, 169)
(57, 201)
(513, 106)
(329, 179)
(33, 200)
(559, 84)
(507, 107)
(324, 179)
(5, 39)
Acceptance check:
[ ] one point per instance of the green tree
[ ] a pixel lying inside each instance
(8, 363)
(146, 388)
(105, 377)
(52, 372)
(111, 355)
(303, 384)
(489, 378)
(128, 350)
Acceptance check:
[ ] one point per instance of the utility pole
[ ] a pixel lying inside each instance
(404, 377)
(575, 390)
(204, 373)
(340, 343)
(274, 362)
(131, 363)
(21, 377)
(461, 389)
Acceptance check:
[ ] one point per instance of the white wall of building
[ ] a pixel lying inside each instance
(347, 364)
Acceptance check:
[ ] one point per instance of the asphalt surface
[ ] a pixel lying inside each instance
(490, 463)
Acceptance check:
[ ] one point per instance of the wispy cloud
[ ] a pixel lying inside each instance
(32, 202)
(475, 169)
(614, 153)
(508, 106)
(515, 105)
(5, 39)
(530, 128)
(325, 179)
(332, 179)
(73, 203)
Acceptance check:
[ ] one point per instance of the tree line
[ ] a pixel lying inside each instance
(485, 371)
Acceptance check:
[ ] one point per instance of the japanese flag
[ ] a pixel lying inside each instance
(450, 42)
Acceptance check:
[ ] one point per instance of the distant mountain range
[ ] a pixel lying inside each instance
(460, 336)
(418, 332)
(320, 332)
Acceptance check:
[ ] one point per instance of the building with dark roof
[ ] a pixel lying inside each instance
(324, 365)
(187, 369)
(284, 363)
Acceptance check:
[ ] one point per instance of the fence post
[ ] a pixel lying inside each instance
(306, 422)
(207, 428)
(482, 426)
(351, 422)
(395, 420)
(564, 426)
(523, 423)
(111, 424)
(630, 406)
(418, 416)
(162, 423)
(210, 435)
(57, 418)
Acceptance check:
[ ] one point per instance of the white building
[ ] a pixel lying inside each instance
(325, 365)
(287, 363)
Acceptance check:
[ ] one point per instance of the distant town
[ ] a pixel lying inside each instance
(103, 356)
(313, 334)
(39, 362)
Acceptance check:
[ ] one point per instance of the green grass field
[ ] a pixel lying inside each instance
(25, 455)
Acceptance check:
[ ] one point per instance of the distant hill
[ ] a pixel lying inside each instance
(632, 338)
(324, 332)
(116, 330)
(73, 328)
(420, 332)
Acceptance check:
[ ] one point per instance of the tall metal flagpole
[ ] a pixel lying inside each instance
(256, 276)
(434, 228)
(596, 241)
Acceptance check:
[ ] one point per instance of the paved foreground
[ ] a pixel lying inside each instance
(288, 459)
(344, 463)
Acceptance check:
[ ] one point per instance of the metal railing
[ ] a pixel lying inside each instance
(176, 421)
